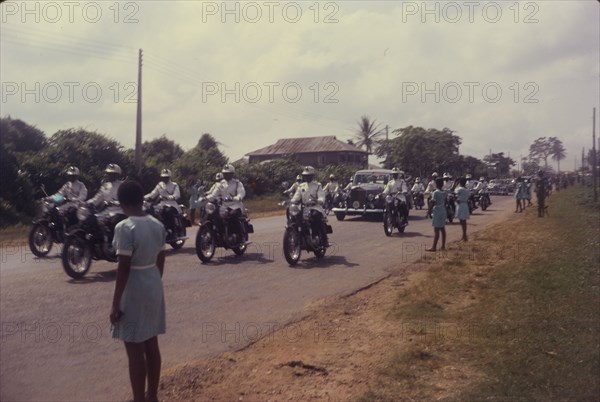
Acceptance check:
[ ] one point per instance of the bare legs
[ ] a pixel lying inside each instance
(436, 237)
(144, 360)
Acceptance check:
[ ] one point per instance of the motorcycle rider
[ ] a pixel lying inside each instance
(418, 186)
(397, 187)
(106, 198)
(349, 185)
(292, 190)
(73, 190)
(331, 189)
(482, 188)
(448, 183)
(230, 190)
(470, 182)
(311, 193)
(166, 191)
(431, 187)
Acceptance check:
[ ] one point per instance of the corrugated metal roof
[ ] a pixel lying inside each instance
(287, 146)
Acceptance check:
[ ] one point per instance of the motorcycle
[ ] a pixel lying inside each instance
(222, 226)
(395, 214)
(306, 229)
(339, 201)
(472, 202)
(174, 222)
(419, 200)
(51, 226)
(89, 240)
(451, 207)
(484, 200)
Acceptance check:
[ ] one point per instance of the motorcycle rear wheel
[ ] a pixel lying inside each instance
(340, 216)
(205, 244)
(40, 240)
(76, 257)
(291, 246)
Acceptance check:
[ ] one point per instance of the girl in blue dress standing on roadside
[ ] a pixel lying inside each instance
(462, 210)
(438, 212)
(138, 308)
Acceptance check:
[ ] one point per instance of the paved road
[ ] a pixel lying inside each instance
(55, 338)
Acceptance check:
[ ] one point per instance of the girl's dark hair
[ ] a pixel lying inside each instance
(130, 193)
(439, 182)
(463, 181)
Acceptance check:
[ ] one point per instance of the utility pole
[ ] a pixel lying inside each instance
(138, 125)
(595, 158)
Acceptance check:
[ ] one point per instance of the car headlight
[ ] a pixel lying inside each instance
(82, 213)
(356, 205)
(294, 209)
(210, 208)
(388, 198)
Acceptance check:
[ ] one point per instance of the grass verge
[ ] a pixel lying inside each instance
(512, 315)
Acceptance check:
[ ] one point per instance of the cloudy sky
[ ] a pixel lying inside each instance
(500, 74)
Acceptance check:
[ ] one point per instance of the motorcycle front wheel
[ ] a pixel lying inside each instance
(240, 250)
(291, 246)
(205, 243)
(40, 240)
(76, 257)
(484, 204)
(388, 223)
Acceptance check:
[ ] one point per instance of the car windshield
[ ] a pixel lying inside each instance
(371, 178)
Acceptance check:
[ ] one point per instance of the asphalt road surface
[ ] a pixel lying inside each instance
(55, 340)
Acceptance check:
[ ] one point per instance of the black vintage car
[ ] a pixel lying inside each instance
(363, 197)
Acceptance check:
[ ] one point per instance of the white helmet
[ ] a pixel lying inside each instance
(417, 180)
(299, 177)
(481, 178)
(395, 171)
(165, 173)
(332, 177)
(308, 170)
(113, 168)
(434, 174)
(469, 176)
(72, 171)
(446, 175)
(219, 176)
(228, 168)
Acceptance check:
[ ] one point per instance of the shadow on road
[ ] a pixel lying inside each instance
(105, 276)
(326, 262)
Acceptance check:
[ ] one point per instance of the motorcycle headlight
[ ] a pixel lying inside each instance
(82, 213)
(388, 198)
(294, 209)
(210, 208)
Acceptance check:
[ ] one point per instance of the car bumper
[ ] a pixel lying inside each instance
(358, 211)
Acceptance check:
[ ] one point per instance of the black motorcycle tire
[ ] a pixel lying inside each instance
(291, 252)
(67, 254)
(340, 216)
(484, 204)
(37, 227)
(205, 240)
(320, 252)
(177, 244)
(388, 226)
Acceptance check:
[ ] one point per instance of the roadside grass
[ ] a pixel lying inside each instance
(265, 206)
(513, 314)
(14, 233)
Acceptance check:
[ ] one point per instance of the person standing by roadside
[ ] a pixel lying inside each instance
(541, 186)
(196, 191)
(462, 210)
(138, 307)
(437, 210)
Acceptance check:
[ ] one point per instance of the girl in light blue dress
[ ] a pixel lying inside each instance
(520, 195)
(462, 210)
(438, 212)
(138, 308)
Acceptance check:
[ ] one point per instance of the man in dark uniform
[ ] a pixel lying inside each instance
(541, 187)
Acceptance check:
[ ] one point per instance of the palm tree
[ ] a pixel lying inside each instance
(367, 134)
(558, 150)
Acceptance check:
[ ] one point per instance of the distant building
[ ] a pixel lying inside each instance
(314, 151)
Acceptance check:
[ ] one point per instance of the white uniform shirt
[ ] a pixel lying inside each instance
(448, 185)
(431, 187)
(482, 186)
(232, 189)
(311, 194)
(293, 188)
(107, 193)
(417, 187)
(73, 191)
(470, 185)
(332, 187)
(168, 192)
(396, 186)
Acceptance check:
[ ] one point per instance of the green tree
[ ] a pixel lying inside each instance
(558, 151)
(541, 149)
(20, 137)
(499, 164)
(367, 134)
